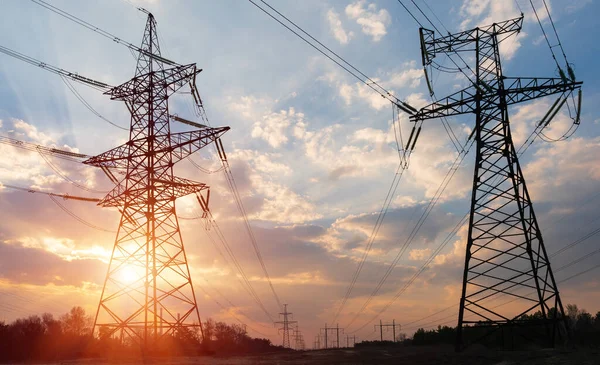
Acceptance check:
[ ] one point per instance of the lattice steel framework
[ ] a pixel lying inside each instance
(505, 251)
(286, 326)
(148, 292)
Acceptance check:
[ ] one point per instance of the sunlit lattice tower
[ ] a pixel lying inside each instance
(505, 254)
(148, 292)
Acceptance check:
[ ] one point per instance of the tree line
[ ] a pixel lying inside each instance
(583, 329)
(46, 338)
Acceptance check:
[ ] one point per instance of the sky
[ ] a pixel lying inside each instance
(312, 151)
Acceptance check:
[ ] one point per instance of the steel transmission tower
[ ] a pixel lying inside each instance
(148, 292)
(505, 251)
(286, 326)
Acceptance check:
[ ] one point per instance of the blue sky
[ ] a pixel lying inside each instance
(312, 150)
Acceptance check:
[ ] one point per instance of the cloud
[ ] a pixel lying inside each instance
(409, 78)
(65, 248)
(273, 127)
(560, 166)
(30, 168)
(25, 129)
(486, 12)
(283, 205)
(418, 255)
(258, 177)
(250, 106)
(576, 5)
(43, 267)
(335, 24)
(372, 22)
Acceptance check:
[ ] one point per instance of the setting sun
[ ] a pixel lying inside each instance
(129, 274)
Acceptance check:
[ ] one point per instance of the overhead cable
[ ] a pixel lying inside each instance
(102, 32)
(57, 195)
(78, 218)
(338, 60)
(100, 86)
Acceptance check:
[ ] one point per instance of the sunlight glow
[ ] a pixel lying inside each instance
(128, 275)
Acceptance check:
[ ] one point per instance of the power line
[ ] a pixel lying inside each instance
(65, 177)
(501, 304)
(234, 190)
(232, 304)
(100, 86)
(419, 224)
(58, 153)
(78, 218)
(364, 79)
(445, 123)
(569, 264)
(521, 150)
(139, 8)
(434, 26)
(229, 313)
(409, 240)
(545, 35)
(248, 286)
(205, 170)
(57, 195)
(435, 15)
(380, 217)
(102, 32)
(445, 182)
(242, 210)
(87, 105)
(556, 33)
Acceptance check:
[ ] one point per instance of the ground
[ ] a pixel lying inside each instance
(420, 355)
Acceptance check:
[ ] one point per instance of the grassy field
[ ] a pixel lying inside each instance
(418, 355)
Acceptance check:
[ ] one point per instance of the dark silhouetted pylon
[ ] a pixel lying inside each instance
(286, 323)
(505, 251)
(148, 292)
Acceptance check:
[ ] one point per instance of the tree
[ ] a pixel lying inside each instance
(572, 313)
(209, 330)
(597, 321)
(75, 322)
(585, 322)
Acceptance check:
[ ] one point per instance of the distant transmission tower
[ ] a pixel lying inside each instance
(148, 292)
(286, 326)
(505, 250)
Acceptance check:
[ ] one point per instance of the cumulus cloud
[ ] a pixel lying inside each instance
(485, 12)
(259, 179)
(418, 255)
(372, 21)
(274, 127)
(335, 24)
(408, 78)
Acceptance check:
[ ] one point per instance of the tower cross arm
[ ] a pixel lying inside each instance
(465, 40)
(179, 187)
(181, 145)
(185, 143)
(518, 90)
(171, 79)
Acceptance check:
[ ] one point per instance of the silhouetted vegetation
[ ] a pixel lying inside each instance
(45, 338)
(584, 330)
